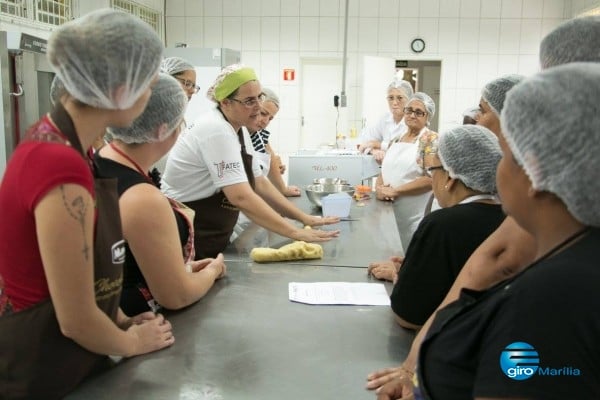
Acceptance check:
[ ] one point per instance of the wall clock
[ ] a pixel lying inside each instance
(417, 45)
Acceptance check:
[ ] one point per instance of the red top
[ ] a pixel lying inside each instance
(35, 168)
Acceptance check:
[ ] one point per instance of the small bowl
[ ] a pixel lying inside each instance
(316, 192)
(330, 181)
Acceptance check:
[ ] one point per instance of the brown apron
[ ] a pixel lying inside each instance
(37, 361)
(216, 216)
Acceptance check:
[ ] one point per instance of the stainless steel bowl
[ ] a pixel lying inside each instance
(329, 181)
(316, 192)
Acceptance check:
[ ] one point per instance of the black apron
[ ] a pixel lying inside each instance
(215, 215)
(37, 361)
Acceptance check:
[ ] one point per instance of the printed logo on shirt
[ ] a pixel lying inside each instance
(521, 361)
(224, 167)
(118, 252)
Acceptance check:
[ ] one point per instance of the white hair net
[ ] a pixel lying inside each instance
(175, 65)
(57, 89)
(106, 59)
(427, 102)
(572, 41)
(162, 115)
(270, 96)
(403, 85)
(471, 153)
(494, 92)
(471, 112)
(551, 123)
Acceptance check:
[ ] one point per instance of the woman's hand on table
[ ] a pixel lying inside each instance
(292, 191)
(315, 220)
(386, 270)
(124, 322)
(385, 192)
(392, 381)
(314, 235)
(398, 388)
(217, 264)
(152, 335)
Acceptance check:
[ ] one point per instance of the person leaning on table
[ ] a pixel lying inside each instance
(547, 180)
(159, 270)
(270, 163)
(375, 139)
(463, 173)
(61, 243)
(211, 170)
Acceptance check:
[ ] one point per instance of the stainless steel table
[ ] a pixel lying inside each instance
(246, 340)
(371, 234)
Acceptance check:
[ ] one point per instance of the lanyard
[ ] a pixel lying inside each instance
(131, 160)
(478, 197)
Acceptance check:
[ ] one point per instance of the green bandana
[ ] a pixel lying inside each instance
(233, 81)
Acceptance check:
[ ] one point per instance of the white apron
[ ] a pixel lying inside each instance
(398, 168)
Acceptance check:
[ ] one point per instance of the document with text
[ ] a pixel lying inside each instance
(347, 293)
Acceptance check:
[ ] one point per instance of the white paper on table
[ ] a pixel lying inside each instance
(352, 293)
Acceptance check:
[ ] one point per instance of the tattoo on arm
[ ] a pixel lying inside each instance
(77, 208)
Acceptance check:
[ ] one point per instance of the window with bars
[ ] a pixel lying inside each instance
(146, 14)
(17, 8)
(53, 12)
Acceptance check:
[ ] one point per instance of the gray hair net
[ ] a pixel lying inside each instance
(572, 41)
(106, 59)
(162, 115)
(550, 123)
(403, 85)
(270, 96)
(471, 112)
(57, 89)
(175, 65)
(494, 92)
(427, 102)
(471, 153)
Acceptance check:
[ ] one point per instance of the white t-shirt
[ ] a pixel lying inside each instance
(205, 158)
(384, 130)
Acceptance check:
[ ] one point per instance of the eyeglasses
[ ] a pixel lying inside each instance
(189, 85)
(397, 98)
(429, 170)
(250, 102)
(418, 113)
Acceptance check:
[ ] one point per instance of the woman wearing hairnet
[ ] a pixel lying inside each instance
(61, 247)
(462, 166)
(183, 71)
(375, 139)
(270, 163)
(403, 180)
(509, 341)
(158, 231)
(211, 170)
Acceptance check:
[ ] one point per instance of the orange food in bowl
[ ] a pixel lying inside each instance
(363, 188)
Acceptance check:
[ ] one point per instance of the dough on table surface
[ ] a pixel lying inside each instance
(297, 250)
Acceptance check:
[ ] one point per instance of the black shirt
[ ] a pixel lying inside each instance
(132, 299)
(441, 245)
(553, 306)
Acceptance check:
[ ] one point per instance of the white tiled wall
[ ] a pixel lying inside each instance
(476, 40)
